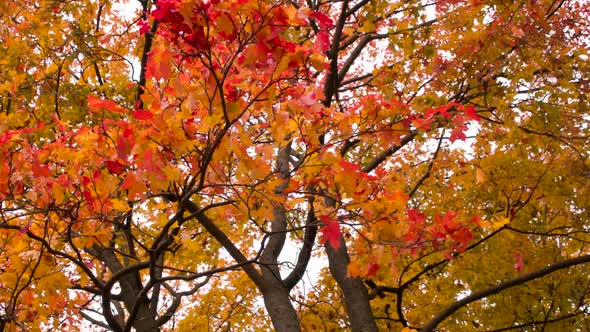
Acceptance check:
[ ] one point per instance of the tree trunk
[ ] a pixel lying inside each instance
(274, 291)
(145, 320)
(356, 297)
(278, 304)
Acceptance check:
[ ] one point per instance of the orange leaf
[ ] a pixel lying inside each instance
(133, 185)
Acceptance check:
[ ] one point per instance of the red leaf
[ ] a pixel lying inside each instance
(167, 12)
(323, 20)
(518, 264)
(254, 53)
(115, 167)
(330, 231)
(477, 220)
(415, 216)
(87, 195)
(96, 104)
(198, 39)
(471, 114)
(442, 110)
(144, 26)
(463, 236)
(125, 143)
(40, 170)
(142, 115)
(350, 168)
(372, 269)
(457, 133)
(4, 177)
(293, 186)
(437, 232)
(230, 93)
(322, 42)
(129, 182)
(86, 181)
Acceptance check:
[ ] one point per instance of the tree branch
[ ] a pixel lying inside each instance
(305, 254)
(331, 85)
(554, 320)
(393, 149)
(222, 238)
(426, 175)
(278, 235)
(433, 323)
(147, 46)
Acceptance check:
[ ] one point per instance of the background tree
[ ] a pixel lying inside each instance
(440, 150)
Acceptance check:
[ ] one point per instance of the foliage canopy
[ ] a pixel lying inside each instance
(179, 168)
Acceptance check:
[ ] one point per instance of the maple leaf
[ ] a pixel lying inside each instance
(458, 131)
(463, 236)
(115, 167)
(135, 186)
(322, 43)
(442, 110)
(415, 216)
(167, 12)
(518, 264)
(86, 181)
(480, 176)
(330, 231)
(471, 114)
(96, 104)
(324, 20)
(372, 269)
(144, 26)
(125, 142)
(142, 114)
(197, 39)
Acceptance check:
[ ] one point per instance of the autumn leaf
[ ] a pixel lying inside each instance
(142, 115)
(120, 205)
(322, 43)
(500, 222)
(330, 231)
(470, 113)
(480, 176)
(115, 167)
(518, 264)
(167, 12)
(97, 104)
(125, 142)
(371, 269)
(353, 269)
(135, 186)
(144, 26)
(325, 22)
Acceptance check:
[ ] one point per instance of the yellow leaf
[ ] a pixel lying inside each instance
(480, 176)
(500, 223)
(317, 61)
(161, 206)
(408, 329)
(120, 205)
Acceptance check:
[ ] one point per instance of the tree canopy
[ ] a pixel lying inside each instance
(252, 165)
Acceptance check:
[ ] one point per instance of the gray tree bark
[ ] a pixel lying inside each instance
(356, 297)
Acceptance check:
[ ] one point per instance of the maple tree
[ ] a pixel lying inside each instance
(156, 168)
